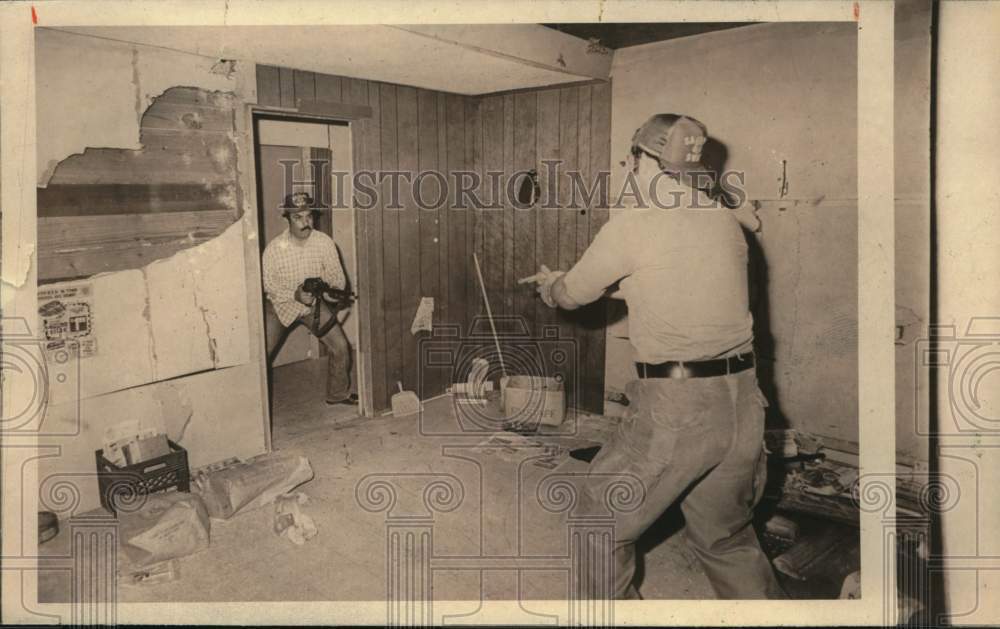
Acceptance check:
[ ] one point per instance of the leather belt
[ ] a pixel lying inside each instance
(696, 369)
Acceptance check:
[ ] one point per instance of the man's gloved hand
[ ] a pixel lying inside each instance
(545, 278)
(303, 297)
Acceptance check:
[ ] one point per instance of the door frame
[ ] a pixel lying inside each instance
(252, 114)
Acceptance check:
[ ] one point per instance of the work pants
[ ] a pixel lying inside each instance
(700, 440)
(338, 367)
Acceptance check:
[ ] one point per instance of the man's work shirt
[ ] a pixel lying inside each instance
(288, 262)
(685, 281)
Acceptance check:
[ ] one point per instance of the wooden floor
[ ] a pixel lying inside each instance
(489, 503)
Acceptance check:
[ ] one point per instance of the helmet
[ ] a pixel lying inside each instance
(674, 140)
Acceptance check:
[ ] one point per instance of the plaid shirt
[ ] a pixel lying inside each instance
(287, 263)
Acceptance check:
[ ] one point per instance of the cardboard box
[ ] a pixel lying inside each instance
(533, 399)
(145, 449)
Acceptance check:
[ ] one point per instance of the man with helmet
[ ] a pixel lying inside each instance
(695, 426)
(293, 256)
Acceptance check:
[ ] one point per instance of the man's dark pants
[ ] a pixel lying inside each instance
(338, 368)
(703, 436)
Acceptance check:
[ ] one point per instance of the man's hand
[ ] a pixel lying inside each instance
(303, 297)
(545, 278)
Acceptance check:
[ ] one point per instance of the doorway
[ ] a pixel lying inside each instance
(296, 155)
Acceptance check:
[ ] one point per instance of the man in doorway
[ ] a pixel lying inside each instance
(298, 253)
(695, 424)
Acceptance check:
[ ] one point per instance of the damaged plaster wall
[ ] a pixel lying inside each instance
(145, 144)
(108, 209)
(173, 317)
(781, 100)
(110, 82)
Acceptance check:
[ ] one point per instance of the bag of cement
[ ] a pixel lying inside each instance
(167, 526)
(251, 484)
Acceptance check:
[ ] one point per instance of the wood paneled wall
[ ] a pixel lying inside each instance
(408, 253)
(519, 132)
(114, 209)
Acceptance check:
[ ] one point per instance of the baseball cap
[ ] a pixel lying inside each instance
(296, 202)
(675, 141)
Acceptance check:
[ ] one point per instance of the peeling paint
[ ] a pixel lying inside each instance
(208, 331)
(225, 67)
(15, 272)
(135, 86)
(126, 79)
(147, 315)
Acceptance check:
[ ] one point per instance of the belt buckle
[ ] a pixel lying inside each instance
(677, 370)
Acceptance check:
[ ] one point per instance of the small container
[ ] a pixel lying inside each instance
(533, 400)
(121, 485)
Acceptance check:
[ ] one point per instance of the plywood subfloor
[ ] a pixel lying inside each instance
(346, 561)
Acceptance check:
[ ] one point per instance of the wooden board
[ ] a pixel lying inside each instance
(409, 231)
(525, 114)
(458, 219)
(409, 253)
(491, 258)
(115, 198)
(391, 277)
(371, 264)
(268, 86)
(547, 226)
(430, 380)
(474, 162)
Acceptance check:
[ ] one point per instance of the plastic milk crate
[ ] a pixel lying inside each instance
(122, 485)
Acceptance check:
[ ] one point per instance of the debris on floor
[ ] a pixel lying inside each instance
(476, 386)
(852, 586)
(251, 484)
(586, 454)
(48, 526)
(533, 400)
(788, 443)
(405, 402)
(289, 520)
(782, 528)
(816, 553)
(554, 451)
(510, 446)
(821, 487)
(166, 526)
(616, 397)
(154, 574)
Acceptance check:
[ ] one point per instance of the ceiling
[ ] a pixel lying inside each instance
(617, 36)
(464, 59)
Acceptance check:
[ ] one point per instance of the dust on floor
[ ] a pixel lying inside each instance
(487, 507)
